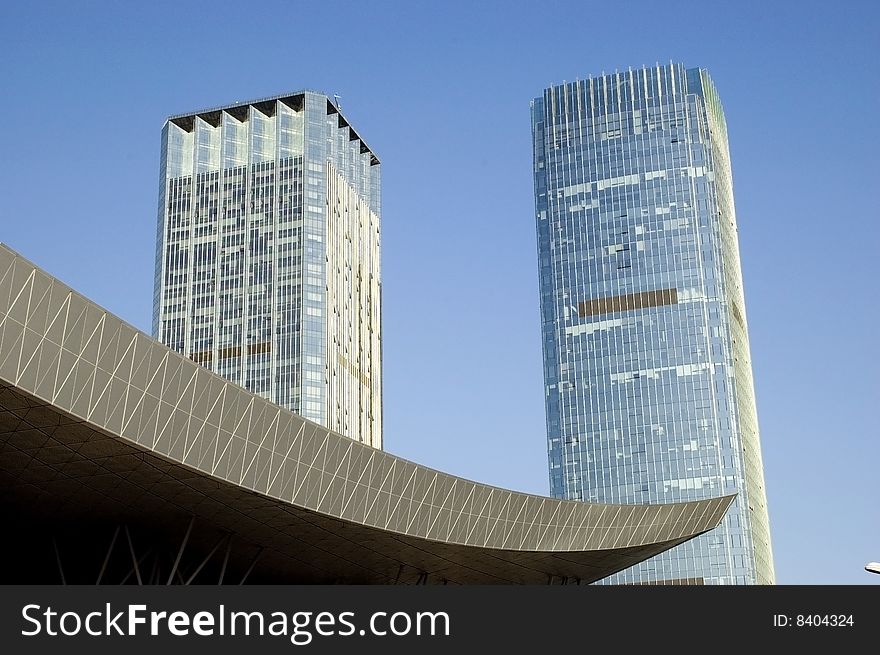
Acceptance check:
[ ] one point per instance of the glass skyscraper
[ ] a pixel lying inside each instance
(267, 258)
(648, 379)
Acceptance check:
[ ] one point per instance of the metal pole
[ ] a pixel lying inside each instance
(139, 560)
(137, 571)
(251, 567)
(107, 558)
(205, 561)
(58, 560)
(225, 560)
(180, 552)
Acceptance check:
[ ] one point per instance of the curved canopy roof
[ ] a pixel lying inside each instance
(99, 420)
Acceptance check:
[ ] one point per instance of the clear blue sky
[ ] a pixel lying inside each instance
(441, 90)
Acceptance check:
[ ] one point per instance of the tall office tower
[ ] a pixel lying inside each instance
(648, 378)
(267, 263)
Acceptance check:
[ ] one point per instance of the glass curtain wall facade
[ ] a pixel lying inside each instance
(267, 259)
(648, 379)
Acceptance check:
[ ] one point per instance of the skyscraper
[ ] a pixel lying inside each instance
(267, 258)
(648, 379)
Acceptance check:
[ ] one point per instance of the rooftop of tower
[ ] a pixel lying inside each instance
(239, 111)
